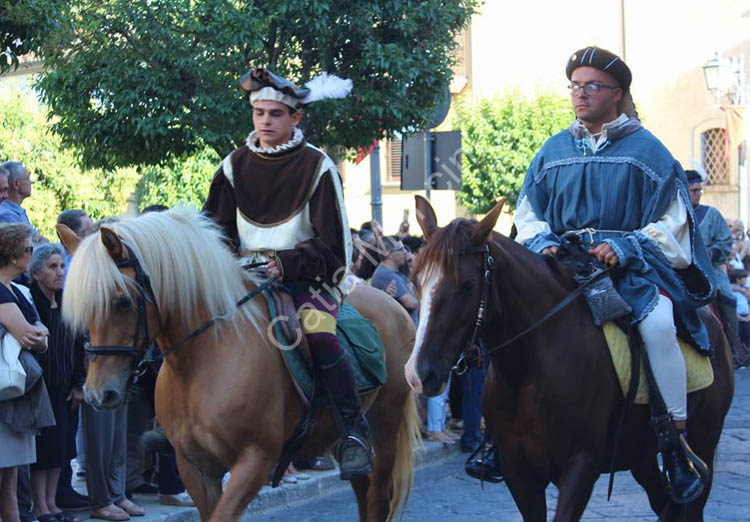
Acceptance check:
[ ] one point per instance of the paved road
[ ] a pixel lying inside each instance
(443, 492)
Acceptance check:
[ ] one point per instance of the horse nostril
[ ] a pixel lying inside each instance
(110, 398)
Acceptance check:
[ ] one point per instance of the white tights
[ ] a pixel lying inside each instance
(660, 339)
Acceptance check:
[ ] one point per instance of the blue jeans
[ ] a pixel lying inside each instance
(436, 410)
(472, 383)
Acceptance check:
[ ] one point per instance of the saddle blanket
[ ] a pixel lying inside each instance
(700, 373)
(358, 337)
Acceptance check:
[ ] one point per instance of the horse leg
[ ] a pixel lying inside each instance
(378, 485)
(249, 474)
(204, 490)
(646, 473)
(527, 490)
(575, 486)
(360, 485)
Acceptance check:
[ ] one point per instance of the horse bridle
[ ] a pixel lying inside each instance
(488, 264)
(145, 295)
(470, 353)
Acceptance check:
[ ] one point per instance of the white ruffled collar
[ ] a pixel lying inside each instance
(253, 143)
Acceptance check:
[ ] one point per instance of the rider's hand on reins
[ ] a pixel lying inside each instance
(272, 269)
(605, 254)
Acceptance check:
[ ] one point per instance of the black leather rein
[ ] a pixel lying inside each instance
(488, 264)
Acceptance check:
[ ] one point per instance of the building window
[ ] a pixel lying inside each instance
(393, 157)
(715, 162)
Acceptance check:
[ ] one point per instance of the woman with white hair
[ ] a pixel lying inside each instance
(64, 378)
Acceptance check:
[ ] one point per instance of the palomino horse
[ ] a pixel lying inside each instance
(552, 399)
(223, 397)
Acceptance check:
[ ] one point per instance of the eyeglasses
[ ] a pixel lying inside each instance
(29, 249)
(590, 88)
(696, 191)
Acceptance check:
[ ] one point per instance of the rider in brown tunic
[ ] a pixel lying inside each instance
(279, 199)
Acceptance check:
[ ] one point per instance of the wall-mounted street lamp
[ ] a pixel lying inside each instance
(726, 77)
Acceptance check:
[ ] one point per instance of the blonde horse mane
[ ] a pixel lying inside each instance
(193, 273)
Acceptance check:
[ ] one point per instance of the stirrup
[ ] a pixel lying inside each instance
(694, 464)
(364, 469)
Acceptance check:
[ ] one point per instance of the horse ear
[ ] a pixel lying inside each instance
(425, 216)
(68, 238)
(482, 230)
(112, 243)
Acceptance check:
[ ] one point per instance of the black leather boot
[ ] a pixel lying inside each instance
(355, 450)
(484, 464)
(683, 475)
(683, 472)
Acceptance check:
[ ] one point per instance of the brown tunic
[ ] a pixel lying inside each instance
(271, 189)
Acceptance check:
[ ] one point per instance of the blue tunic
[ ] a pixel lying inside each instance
(718, 240)
(629, 182)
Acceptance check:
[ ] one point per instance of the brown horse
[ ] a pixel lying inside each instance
(223, 397)
(552, 399)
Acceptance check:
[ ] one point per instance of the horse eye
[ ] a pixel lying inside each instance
(123, 304)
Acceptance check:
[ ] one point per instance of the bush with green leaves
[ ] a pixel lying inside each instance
(500, 137)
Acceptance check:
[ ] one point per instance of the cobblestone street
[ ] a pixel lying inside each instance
(443, 492)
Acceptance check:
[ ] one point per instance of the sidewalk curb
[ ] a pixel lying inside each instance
(319, 485)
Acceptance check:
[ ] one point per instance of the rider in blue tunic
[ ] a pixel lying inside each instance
(609, 179)
(719, 241)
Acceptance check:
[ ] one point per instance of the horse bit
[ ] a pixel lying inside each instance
(145, 294)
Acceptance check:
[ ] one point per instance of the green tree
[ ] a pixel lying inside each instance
(22, 28)
(500, 137)
(59, 182)
(180, 182)
(141, 82)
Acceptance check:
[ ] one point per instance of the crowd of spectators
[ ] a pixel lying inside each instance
(36, 477)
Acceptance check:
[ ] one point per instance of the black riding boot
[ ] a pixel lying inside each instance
(683, 471)
(355, 450)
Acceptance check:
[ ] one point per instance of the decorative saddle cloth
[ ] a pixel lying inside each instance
(700, 373)
(359, 339)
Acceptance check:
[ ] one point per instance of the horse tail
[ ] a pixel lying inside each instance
(409, 437)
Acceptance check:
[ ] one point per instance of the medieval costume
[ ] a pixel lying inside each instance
(286, 203)
(622, 187)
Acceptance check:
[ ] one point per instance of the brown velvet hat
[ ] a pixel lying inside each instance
(603, 60)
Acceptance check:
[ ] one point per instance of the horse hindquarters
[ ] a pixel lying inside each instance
(393, 412)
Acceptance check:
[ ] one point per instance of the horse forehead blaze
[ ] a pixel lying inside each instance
(429, 280)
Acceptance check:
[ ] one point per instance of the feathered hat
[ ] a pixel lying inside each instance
(261, 85)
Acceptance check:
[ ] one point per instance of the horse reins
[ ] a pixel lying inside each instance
(145, 294)
(488, 264)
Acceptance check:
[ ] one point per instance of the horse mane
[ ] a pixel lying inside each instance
(193, 273)
(442, 250)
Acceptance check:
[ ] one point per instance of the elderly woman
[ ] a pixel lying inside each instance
(56, 444)
(19, 317)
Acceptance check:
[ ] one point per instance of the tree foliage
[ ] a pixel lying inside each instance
(23, 27)
(500, 137)
(181, 182)
(141, 82)
(59, 183)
